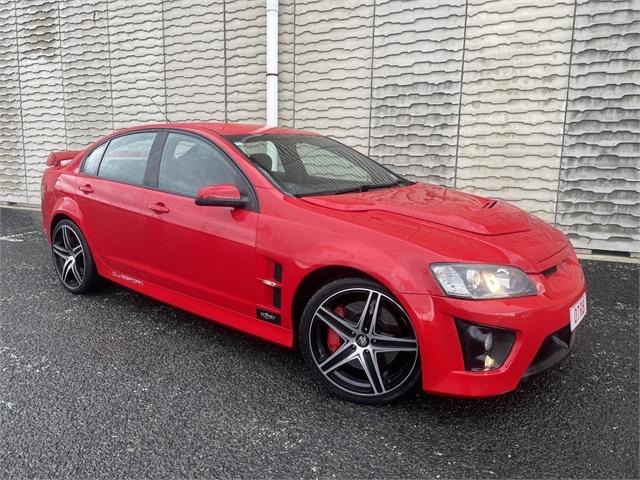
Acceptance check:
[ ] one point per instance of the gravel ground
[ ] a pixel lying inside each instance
(115, 384)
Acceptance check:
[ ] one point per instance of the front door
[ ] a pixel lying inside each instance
(205, 252)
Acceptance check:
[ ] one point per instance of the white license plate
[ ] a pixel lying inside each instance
(578, 311)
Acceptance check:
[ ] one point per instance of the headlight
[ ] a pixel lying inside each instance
(482, 281)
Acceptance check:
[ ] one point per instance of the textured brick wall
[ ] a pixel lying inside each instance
(536, 102)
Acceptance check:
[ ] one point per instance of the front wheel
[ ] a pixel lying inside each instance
(359, 342)
(72, 259)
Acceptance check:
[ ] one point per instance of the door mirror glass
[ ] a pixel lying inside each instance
(226, 195)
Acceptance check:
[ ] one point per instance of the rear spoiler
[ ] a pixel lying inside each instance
(56, 158)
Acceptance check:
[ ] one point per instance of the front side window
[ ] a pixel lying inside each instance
(189, 163)
(126, 158)
(314, 165)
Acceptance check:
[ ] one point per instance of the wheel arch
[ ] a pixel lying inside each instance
(67, 208)
(314, 280)
(58, 217)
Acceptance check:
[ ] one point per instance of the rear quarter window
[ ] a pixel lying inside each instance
(92, 162)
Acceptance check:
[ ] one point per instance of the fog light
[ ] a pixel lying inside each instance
(483, 348)
(489, 362)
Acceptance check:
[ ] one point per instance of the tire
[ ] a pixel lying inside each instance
(359, 342)
(72, 258)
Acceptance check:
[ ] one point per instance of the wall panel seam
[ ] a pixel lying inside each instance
(164, 62)
(24, 152)
(464, 46)
(64, 103)
(373, 49)
(110, 65)
(224, 48)
(566, 108)
(293, 125)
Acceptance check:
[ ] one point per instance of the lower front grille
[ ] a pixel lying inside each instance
(554, 349)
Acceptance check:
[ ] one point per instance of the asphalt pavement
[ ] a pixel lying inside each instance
(115, 384)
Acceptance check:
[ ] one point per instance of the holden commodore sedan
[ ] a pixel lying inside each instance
(382, 283)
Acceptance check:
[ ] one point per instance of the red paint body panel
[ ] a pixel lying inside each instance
(212, 260)
(108, 211)
(193, 249)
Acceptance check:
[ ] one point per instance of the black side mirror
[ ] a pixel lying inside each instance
(221, 196)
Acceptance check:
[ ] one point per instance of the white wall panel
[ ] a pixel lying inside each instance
(333, 68)
(194, 54)
(513, 100)
(137, 61)
(85, 70)
(416, 87)
(246, 60)
(43, 111)
(13, 186)
(599, 198)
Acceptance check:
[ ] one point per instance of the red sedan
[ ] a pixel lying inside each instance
(381, 282)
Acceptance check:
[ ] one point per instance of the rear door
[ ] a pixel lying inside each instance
(110, 192)
(207, 252)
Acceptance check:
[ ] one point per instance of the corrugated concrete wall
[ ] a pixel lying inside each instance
(599, 189)
(536, 102)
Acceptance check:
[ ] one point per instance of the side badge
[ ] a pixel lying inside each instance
(268, 316)
(127, 278)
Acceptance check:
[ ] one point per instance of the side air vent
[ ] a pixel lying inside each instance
(277, 272)
(550, 271)
(490, 204)
(277, 298)
(270, 292)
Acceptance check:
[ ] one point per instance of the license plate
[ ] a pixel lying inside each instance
(578, 311)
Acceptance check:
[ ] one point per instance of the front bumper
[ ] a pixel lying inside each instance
(534, 319)
(553, 350)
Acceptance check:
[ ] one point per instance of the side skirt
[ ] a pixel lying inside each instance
(258, 328)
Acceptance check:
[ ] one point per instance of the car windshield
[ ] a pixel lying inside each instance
(313, 165)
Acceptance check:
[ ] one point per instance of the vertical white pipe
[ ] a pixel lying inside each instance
(272, 63)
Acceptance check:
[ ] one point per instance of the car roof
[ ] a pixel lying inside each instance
(228, 129)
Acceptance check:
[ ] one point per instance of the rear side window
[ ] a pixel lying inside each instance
(92, 162)
(189, 164)
(126, 158)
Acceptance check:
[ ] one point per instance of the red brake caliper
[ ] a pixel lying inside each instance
(333, 339)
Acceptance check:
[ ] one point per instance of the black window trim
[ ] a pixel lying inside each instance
(152, 170)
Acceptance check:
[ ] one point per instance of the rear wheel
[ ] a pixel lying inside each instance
(359, 342)
(72, 259)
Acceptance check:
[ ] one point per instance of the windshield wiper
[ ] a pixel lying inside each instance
(360, 188)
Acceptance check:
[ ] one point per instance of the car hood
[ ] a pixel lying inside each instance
(493, 222)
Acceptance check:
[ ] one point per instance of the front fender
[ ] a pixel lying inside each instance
(389, 266)
(395, 264)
